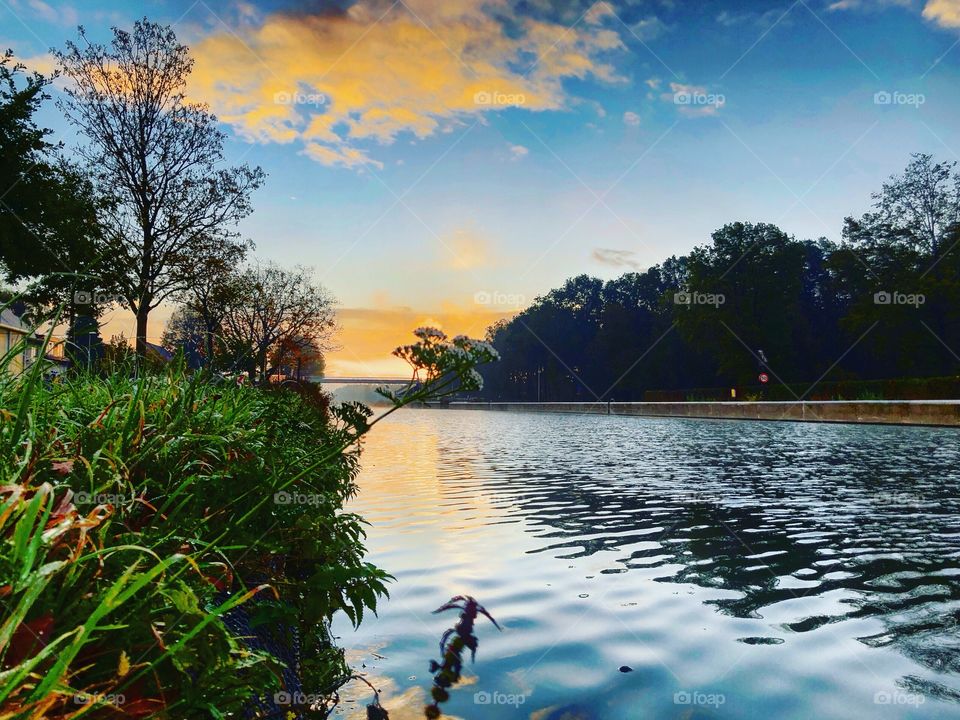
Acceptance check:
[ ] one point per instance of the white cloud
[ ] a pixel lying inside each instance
(840, 5)
(616, 258)
(694, 100)
(649, 28)
(631, 118)
(945, 13)
(45, 64)
(598, 12)
(63, 14)
(519, 151)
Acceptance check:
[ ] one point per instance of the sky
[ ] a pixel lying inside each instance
(444, 162)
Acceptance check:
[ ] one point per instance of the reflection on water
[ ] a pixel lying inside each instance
(740, 569)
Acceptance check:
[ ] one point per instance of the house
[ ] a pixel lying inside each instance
(14, 337)
(24, 346)
(158, 353)
(55, 355)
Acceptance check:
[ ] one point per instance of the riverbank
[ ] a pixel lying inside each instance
(944, 413)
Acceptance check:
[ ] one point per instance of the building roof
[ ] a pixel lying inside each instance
(161, 351)
(11, 321)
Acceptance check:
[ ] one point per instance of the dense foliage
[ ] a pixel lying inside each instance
(885, 303)
(48, 214)
(176, 546)
(137, 512)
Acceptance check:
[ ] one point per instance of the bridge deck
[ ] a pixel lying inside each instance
(359, 381)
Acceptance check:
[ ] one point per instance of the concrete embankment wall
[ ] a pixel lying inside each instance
(884, 412)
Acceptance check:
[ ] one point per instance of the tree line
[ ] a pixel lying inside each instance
(143, 211)
(883, 303)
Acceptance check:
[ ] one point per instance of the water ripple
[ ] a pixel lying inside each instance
(795, 570)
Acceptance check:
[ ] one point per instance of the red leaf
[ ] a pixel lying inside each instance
(63, 468)
(28, 639)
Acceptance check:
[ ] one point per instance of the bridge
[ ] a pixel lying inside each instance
(327, 380)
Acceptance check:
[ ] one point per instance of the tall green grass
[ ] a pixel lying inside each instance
(137, 512)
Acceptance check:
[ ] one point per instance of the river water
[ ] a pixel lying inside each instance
(738, 569)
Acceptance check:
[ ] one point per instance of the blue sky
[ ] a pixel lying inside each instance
(448, 161)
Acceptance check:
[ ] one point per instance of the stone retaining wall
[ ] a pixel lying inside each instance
(886, 412)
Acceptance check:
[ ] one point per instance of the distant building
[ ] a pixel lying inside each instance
(16, 336)
(55, 356)
(13, 337)
(158, 353)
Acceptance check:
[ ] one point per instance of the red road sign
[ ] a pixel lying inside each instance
(764, 378)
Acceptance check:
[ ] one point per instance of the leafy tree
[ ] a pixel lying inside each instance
(84, 345)
(186, 332)
(818, 311)
(48, 216)
(743, 288)
(157, 158)
(906, 245)
(297, 357)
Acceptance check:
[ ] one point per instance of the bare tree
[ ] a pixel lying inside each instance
(217, 287)
(275, 305)
(921, 206)
(158, 158)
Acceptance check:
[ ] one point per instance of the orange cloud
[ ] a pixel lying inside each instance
(944, 12)
(45, 63)
(333, 82)
(465, 249)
